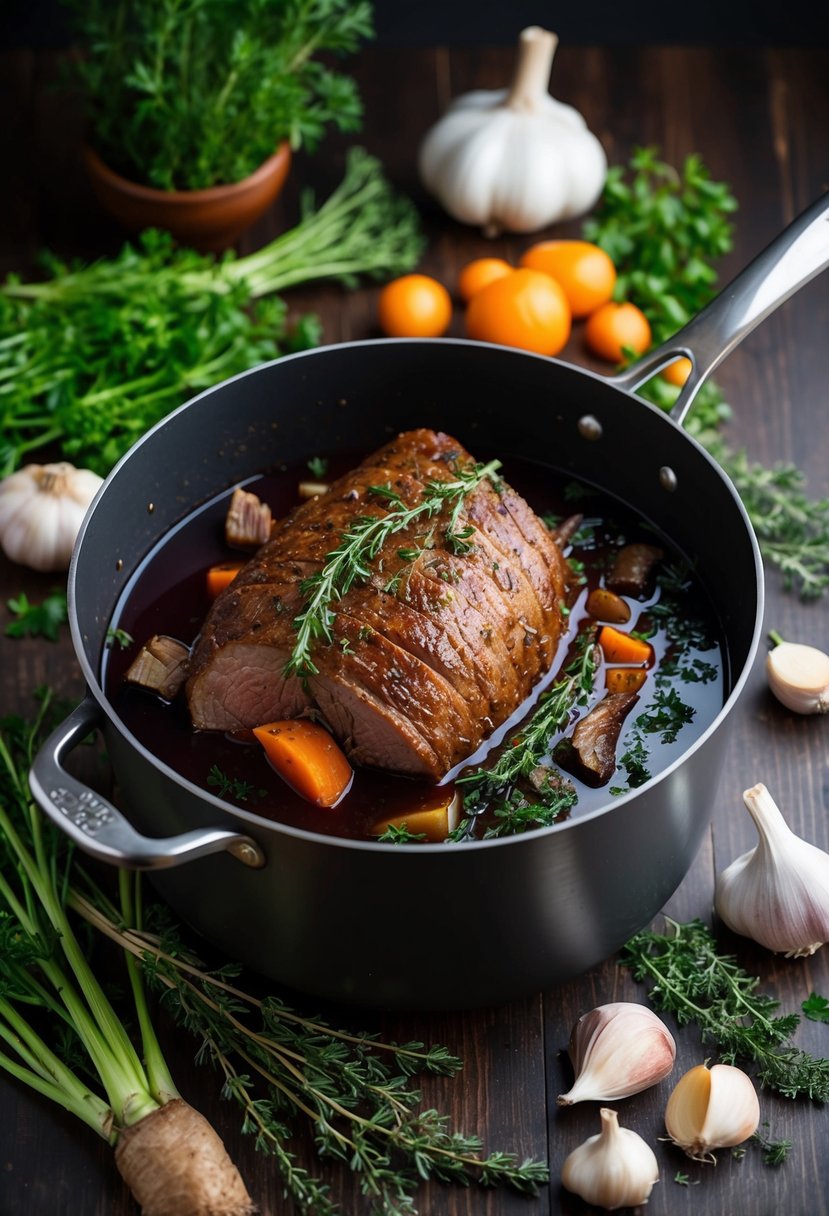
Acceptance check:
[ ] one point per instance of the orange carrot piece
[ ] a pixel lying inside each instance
(625, 679)
(619, 647)
(308, 758)
(219, 577)
(604, 605)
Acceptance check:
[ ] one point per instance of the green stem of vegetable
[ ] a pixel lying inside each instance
(775, 638)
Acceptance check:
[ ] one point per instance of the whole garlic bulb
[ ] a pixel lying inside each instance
(777, 893)
(41, 509)
(798, 676)
(615, 1169)
(514, 159)
(618, 1050)
(712, 1108)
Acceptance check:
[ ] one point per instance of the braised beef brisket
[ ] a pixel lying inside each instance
(429, 655)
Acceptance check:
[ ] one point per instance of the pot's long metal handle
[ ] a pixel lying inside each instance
(97, 827)
(790, 261)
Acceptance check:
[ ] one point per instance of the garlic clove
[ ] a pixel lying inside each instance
(615, 1169)
(618, 1050)
(798, 676)
(777, 893)
(712, 1108)
(41, 510)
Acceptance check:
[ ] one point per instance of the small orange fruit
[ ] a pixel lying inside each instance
(479, 273)
(414, 306)
(525, 308)
(677, 372)
(614, 329)
(585, 271)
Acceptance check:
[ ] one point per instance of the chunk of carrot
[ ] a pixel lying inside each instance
(307, 758)
(619, 647)
(219, 577)
(625, 679)
(604, 605)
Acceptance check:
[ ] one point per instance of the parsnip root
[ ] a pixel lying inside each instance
(175, 1164)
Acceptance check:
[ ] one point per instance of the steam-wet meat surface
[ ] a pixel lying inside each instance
(590, 753)
(430, 653)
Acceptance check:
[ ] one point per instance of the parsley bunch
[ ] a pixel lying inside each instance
(188, 95)
(95, 355)
(664, 229)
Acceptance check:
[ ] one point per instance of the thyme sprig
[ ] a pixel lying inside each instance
(524, 755)
(696, 983)
(278, 1065)
(360, 544)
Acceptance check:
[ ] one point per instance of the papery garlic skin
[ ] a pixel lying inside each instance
(777, 893)
(617, 1050)
(41, 509)
(712, 1108)
(615, 1169)
(514, 159)
(798, 676)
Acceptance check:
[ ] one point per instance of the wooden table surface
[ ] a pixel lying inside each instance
(760, 120)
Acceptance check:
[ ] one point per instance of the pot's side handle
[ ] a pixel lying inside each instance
(97, 827)
(788, 263)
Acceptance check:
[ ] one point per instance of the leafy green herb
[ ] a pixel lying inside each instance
(522, 760)
(232, 787)
(37, 620)
(400, 834)
(663, 228)
(360, 544)
(118, 637)
(95, 355)
(775, 1152)
(187, 96)
(634, 761)
(318, 467)
(665, 716)
(694, 982)
(681, 1179)
(279, 1066)
(816, 1008)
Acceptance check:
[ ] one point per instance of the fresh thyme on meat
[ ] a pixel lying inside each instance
(664, 229)
(520, 790)
(691, 979)
(349, 563)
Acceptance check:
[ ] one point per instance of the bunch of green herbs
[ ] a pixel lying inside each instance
(664, 228)
(278, 1066)
(691, 979)
(188, 94)
(95, 355)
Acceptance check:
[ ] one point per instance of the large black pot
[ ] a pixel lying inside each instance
(483, 921)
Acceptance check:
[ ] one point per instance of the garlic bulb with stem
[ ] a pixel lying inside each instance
(615, 1169)
(778, 892)
(618, 1050)
(798, 676)
(41, 509)
(514, 159)
(712, 1108)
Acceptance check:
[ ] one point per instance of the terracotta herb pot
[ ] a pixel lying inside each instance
(208, 220)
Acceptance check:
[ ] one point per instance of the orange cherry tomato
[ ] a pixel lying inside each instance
(615, 328)
(476, 275)
(585, 271)
(414, 306)
(677, 372)
(525, 308)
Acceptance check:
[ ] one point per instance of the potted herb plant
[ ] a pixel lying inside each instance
(194, 106)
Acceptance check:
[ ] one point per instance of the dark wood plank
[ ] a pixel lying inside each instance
(759, 119)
